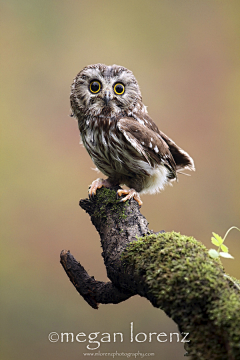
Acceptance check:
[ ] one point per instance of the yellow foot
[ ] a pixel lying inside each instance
(131, 193)
(97, 184)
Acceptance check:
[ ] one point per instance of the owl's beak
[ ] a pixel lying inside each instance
(107, 97)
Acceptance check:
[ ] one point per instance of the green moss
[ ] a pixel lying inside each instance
(191, 288)
(171, 260)
(107, 200)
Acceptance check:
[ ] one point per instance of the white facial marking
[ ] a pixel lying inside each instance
(156, 149)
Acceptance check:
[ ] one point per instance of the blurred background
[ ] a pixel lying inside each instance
(185, 56)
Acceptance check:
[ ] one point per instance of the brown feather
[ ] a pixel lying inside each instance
(145, 140)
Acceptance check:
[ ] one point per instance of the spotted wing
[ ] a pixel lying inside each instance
(148, 143)
(181, 157)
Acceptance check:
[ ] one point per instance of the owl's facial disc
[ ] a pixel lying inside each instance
(103, 93)
(107, 93)
(104, 88)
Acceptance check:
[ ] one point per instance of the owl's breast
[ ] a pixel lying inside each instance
(95, 134)
(112, 154)
(96, 137)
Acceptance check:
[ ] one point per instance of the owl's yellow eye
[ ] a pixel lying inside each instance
(95, 86)
(119, 88)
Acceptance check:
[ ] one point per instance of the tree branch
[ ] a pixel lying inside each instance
(94, 292)
(174, 272)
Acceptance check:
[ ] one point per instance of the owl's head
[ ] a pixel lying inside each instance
(99, 88)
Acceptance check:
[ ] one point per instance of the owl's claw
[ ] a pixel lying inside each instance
(131, 193)
(97, 184)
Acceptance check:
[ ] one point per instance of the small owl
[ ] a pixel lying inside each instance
(122, 140)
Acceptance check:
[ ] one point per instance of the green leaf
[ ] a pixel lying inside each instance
(215, 242)
(218, 238)
(224, 248)
(213, 253)
(226, 255)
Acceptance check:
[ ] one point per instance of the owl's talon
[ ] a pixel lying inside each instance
(97, 184)
(131, 193)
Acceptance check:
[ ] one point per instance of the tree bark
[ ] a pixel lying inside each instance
(174, 272)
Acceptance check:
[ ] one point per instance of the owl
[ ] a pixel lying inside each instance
(119, 135)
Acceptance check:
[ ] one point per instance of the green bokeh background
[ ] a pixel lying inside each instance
(185, 55)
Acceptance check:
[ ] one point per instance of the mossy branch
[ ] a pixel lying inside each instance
(174, 272)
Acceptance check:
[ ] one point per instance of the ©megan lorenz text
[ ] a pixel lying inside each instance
(94, 339)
